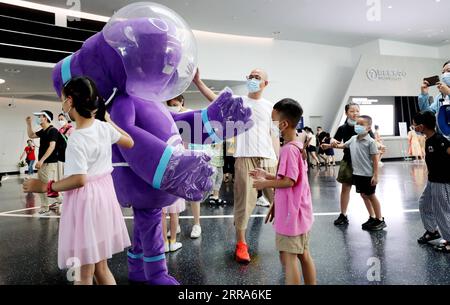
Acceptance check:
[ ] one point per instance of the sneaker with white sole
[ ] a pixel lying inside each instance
(262, 202)
(196, 231)
(178, 231)
(166, 247)
(44, 212)
(175, 246)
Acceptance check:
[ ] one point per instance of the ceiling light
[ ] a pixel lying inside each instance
(2, 81)
(390, 6)
(12, 70)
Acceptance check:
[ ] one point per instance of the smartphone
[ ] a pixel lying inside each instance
(433, 80)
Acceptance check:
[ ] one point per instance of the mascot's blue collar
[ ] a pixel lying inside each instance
(66, 75)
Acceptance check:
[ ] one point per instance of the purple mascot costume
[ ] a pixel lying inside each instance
(145, 55)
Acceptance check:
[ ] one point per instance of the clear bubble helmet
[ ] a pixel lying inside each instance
(157, 48)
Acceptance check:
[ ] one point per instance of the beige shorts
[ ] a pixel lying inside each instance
(293, 244)
(244, 194)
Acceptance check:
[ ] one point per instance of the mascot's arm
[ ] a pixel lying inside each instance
(225, 118)
(181, 173)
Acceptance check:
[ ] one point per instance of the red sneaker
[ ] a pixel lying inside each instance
(241, 253)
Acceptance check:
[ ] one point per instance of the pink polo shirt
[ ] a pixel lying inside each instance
(293, 206)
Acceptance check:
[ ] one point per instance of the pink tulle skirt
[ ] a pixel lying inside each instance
(92, 227)
(177, 207)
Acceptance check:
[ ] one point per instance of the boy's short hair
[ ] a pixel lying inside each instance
(425, 118)
(367, 118)
(448, 62)
(290, 110)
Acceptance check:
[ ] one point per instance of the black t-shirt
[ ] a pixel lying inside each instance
(343, 134)
(321, 136)
(51, 134)
(437, 159)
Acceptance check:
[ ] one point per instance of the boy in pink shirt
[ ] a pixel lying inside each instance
(292, 207)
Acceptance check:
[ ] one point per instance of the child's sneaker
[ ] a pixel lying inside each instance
(241, 253)
(166, 247)
(196, 231)
(428, 236)
(175, 246)
(443, 248)
(341, 220)
(368, 223)
(377, 225)
(44, 212)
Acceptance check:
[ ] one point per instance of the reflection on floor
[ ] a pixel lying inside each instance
(28, 252)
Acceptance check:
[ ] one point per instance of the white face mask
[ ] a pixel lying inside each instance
(275, 130)
(174, 109)
(62, 123)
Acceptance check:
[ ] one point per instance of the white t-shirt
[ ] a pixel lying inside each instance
(89, 150)
(313, 141)
(257, 141)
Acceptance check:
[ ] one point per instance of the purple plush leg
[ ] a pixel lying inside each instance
(136, 259)
(148, 222)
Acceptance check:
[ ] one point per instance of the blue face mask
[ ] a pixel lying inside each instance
(253, 85)
(446, 78)
(359, 129)
(37, 120)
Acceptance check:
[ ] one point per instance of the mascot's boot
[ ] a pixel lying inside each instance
(148, 240)
(156, 273)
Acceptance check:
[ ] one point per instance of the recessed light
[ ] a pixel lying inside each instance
(12, 70)
(2, 81)
(390, 6)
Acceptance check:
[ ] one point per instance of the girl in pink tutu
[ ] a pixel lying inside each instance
(92, 227)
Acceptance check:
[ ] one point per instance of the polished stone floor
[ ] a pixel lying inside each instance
(28, 244)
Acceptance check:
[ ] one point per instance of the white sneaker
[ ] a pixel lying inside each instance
(262, 202)
(178, 231)
(166, 247)
(196, 231)
(44, 212)
(175, 246)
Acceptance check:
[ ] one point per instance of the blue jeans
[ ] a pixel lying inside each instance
(30, 166)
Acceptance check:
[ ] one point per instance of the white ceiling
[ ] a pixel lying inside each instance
(334, 22)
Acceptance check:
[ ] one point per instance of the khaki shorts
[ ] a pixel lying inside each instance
(345, 174)
(292, 244)
(244, 194)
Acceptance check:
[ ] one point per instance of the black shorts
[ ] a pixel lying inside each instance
(311, 148)
(364, 185)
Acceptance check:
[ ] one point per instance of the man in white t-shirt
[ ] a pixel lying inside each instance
(254, 149)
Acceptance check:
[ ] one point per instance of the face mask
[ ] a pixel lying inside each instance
(174, 109)
(275, 130)
(253, 85)
(37, 120)
(446, 78)
(66, 114)
(359, 129)
(62, 123)
(351, 122)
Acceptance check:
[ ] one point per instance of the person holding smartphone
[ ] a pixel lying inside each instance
(444, 88)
